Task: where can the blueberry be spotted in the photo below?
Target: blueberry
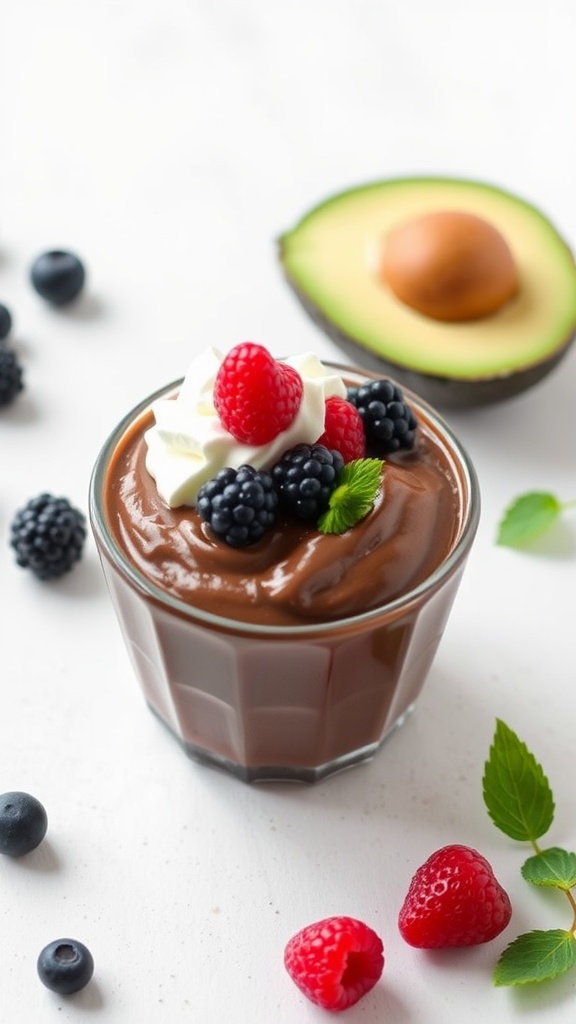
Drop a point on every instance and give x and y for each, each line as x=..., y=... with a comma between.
x=5, y=322
x=58, y=276
x=23, y=823
x=65, y=966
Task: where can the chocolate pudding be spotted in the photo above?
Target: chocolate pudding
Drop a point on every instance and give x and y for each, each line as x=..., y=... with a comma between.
x=295, y=657
x=296, y=574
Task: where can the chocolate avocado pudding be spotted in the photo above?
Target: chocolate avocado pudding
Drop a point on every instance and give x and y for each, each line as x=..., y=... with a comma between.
x=296, y=655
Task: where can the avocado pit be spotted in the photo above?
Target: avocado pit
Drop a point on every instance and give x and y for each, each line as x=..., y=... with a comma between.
x=449, y=265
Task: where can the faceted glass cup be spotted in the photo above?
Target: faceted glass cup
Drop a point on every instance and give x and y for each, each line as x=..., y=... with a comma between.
x=292, y=703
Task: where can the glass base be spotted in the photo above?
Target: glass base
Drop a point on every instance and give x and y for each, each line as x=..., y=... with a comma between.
x=281, y=773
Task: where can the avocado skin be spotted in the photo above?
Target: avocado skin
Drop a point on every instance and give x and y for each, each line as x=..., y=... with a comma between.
x=446, y=392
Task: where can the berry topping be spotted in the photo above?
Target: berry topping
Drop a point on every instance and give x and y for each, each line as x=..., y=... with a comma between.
x=239, y=505
x=255, y=396
x=343, y=429
x=5, y=322
x=48, y=536
x=335, y=962
x=58, y=276
x=65, y=966
x=454, y=900
x=10, y=375
x=23, y=823
x=389, y=423
x=305, y=477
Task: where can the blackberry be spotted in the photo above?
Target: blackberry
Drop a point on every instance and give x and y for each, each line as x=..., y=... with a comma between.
x=388, y=421
x=10, y=375
x=305, y=477
x=23, y=823
x=5, y=321
x=58, y=276
x=48, y=535
x=65, y=966
x=239, y=505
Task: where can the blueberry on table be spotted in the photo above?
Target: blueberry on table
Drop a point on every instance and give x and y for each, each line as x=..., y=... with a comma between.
x=23, y=823
x=11, y=381
x=65, y=966
x=58, y=276
x=48, y=536
x=5, y=321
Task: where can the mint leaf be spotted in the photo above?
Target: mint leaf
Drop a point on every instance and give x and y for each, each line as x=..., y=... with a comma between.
x=536, y=956
x=527, y=517
x=353, y=497
x=554, y=867
x=516, y=791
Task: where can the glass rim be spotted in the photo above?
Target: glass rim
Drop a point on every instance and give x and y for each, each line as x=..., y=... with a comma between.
x=468, y=488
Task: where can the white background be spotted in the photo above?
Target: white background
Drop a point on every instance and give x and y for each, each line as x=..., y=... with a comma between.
x=170, y=142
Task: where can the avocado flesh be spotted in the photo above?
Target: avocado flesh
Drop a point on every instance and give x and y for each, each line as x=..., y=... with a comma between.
x=329, y=257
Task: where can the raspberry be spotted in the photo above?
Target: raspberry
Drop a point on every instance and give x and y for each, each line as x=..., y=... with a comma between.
x=48, y=535
x=10, y=375
x=238, y=504
x=343, y=429
x=335, y=962
x=454, y=900
x=256, y=397
x=305, y=478
x=389, y=422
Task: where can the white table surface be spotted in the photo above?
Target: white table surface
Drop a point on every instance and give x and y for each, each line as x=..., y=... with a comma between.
x=170, y=142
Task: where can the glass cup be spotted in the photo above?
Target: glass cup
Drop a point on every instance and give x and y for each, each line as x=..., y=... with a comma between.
x=294, y=703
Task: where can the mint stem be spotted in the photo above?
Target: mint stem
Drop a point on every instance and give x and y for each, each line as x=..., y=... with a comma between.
x=572, y=903
x=520, y=803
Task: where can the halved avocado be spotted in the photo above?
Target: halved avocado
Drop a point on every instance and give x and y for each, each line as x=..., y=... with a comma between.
x=329, y=260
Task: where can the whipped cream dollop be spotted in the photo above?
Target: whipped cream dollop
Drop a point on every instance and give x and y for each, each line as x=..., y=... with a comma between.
x=187, y=444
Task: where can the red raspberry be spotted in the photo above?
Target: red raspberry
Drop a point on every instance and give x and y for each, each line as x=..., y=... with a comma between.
x=335, y=962
x=256, y=397
x=343, y=429
x=454, y=900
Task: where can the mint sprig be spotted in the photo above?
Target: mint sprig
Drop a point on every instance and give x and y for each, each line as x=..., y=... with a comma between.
x=519, y=801
x=353, y=497
x=528, y=517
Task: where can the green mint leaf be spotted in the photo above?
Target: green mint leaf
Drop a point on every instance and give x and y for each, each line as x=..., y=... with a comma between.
x=554, y=867
x=516, y=791
x=353, y=497
x=536, y=956
x=527, y=517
